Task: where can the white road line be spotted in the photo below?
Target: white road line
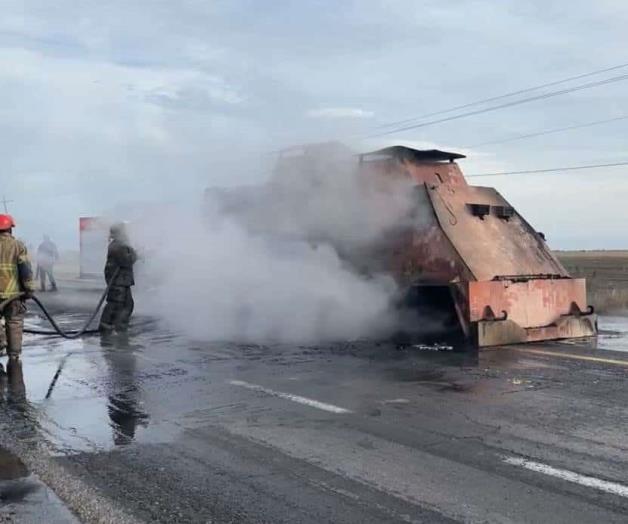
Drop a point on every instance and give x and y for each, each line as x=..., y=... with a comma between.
x=586, y=358
x=564, y=474
x=288, y=396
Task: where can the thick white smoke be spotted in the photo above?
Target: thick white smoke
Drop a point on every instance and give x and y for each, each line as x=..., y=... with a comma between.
x=263, y=263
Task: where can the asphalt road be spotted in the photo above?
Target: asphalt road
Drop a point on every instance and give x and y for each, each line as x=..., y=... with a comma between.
x=155, y=428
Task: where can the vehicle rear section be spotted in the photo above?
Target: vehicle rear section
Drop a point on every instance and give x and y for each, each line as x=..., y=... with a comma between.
x=504, y=283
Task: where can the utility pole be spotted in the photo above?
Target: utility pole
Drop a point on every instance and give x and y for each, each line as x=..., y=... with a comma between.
x=5, y=202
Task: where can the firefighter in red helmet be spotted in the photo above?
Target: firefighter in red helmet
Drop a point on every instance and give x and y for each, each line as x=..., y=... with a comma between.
x=16, y=277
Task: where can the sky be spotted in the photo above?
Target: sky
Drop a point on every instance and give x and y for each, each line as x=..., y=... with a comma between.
x=109, y=105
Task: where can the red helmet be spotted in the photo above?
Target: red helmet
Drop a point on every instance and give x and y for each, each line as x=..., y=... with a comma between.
x=6, y=222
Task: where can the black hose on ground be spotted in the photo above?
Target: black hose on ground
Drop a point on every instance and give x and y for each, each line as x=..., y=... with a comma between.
x=72, y=334
x=57, y=329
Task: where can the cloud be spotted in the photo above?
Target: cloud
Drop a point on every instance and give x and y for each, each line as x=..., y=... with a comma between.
x=339, y=112
x=126, y=101
x=190, y=88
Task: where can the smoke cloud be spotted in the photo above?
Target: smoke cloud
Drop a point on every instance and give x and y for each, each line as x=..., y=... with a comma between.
x=289, y=260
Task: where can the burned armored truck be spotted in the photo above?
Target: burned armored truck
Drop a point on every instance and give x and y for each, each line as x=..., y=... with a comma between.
x=503, y=281
x=460, y=251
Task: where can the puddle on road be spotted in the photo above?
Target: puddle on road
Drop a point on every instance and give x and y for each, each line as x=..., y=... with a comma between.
x=15, y=481
x=115, y=393
x=24, y=497
x=11, y=467
x=419, y=375
x=83, y=395
x=613, y=333
x=440, y=379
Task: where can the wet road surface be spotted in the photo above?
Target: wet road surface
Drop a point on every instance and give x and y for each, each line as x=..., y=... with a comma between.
x=24, y=498
x=153, y=428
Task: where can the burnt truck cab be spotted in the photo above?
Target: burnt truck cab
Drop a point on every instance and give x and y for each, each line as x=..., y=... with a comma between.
x=469, y=243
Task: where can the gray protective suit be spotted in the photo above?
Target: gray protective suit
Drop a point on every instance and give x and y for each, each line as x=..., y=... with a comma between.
x=120, y=257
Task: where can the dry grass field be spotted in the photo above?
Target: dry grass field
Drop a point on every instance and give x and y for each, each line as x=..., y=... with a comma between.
x=606, y=273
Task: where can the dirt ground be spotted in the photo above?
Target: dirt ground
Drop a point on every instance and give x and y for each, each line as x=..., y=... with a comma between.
x=606, y=273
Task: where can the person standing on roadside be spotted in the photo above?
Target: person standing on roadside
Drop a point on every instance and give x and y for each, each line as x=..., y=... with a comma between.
x=47, y=255
x=16, y=280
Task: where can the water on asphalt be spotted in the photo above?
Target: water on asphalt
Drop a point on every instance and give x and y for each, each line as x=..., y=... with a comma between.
x=152, y=402
x=93, y=394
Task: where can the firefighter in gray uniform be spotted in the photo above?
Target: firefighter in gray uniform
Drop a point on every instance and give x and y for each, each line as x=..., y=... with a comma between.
x=119, y=275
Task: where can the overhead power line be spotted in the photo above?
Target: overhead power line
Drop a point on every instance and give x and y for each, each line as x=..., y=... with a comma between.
x=4, y=202
x=506, y=95
x=543, y=96
x=548, y=170
x=550, y=131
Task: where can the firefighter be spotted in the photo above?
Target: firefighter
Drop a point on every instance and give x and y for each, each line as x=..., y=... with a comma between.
x=119, y=275
x=16, y=277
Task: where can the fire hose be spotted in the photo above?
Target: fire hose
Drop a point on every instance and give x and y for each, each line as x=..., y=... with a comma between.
x=57, y=331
